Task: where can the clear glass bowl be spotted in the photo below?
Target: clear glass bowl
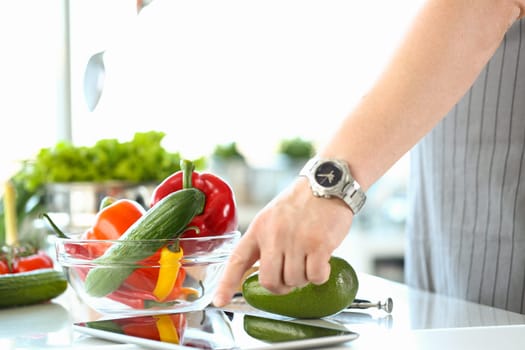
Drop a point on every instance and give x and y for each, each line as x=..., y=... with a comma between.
x=122, y=276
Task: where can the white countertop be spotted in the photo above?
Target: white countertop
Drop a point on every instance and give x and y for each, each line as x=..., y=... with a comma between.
x=419, y=320
x=422, y=320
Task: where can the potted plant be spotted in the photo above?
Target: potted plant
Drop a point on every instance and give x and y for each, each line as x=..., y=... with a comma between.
x=296, y=149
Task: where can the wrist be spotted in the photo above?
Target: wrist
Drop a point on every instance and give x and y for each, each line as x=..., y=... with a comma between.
x=331, y=178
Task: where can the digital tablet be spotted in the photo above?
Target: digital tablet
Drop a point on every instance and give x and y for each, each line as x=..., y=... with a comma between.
x=215, y=329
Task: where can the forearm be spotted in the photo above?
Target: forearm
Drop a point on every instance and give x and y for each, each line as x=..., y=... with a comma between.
x=443, y=53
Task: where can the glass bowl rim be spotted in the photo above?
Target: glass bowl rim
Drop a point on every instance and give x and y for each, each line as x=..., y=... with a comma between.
x=74, y=238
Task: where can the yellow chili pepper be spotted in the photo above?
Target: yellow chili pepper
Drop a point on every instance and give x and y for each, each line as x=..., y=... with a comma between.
x=167, y=330
x=168, y=272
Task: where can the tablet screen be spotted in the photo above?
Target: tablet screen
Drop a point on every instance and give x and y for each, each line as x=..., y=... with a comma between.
x=215, y=329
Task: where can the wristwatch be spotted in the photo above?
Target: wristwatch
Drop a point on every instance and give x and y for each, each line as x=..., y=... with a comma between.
x=331, y=178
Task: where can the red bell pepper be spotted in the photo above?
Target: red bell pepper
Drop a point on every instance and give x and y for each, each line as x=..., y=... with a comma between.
x=143, y=297
x=220, y=212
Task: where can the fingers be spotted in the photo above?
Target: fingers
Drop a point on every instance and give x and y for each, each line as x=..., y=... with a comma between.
x=283, y=272
x=291, y=264
x=295, y=274
x=242, y=258
x=318, y=268
x=271, y=272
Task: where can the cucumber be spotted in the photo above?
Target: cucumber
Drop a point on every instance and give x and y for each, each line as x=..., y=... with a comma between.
x=26, y=288
x=165, y=220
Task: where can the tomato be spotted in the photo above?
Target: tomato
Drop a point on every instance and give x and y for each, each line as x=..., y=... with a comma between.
x=36, y=261
x=3, y=267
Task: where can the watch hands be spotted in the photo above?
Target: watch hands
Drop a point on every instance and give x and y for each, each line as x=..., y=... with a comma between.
x=327, y=176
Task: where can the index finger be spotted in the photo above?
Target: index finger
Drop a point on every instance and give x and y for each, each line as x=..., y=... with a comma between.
x=242, y=258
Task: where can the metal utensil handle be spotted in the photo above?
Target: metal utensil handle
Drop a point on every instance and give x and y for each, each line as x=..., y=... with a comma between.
x=387, y=305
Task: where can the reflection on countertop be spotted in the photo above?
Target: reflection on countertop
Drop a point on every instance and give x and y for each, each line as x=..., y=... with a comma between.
x=49, y=325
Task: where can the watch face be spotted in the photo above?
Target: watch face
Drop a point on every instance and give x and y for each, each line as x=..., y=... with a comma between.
x=328, y=174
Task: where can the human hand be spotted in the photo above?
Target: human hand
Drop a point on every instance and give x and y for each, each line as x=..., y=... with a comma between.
x=293, y=238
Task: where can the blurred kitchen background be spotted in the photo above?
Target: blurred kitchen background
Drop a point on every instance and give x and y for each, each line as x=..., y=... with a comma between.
x=246, y=87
